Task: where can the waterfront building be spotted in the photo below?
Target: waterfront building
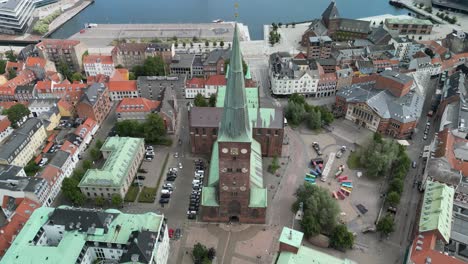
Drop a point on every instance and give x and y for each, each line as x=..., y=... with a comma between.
x=130, y=55
x=235, y=190
x=319, y=47
x=213, y=61
x=291, y=251
x=460, y=5
x=19, y=148
x=388, y=103
x=98, y=64
x=457, y=41
x=182, y=64
x=123, y=157
x=65, y=51
x=83, y=236
x=16, y=16
x=413, y=26
x=94, y=103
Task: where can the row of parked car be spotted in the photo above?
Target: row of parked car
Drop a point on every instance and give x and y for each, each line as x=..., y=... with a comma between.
x=168, y=187
x=149, y=153
x=197, y=184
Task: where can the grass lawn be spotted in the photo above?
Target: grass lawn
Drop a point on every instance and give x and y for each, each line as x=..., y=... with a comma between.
x=131, y=194
x=147, y=195
x=353, y=161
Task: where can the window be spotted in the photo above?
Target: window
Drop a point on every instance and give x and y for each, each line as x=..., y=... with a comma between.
x=229, y=169
x=238, y=170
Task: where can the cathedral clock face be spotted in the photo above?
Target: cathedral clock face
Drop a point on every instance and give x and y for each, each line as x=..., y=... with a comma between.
x=242, y=188
x=223, y=170
x=225, y=150
x=225, y=188
x=234, y=151
x=243, y=151
x=244, y=170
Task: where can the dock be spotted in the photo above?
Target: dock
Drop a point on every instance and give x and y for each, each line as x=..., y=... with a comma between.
x=408, y=4
x=103, y=34
x=67, y=15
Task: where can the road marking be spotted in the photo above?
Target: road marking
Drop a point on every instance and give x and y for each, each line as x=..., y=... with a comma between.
x=225, y=247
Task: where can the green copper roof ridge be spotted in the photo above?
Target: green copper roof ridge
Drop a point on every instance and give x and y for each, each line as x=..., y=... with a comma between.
x=235, y=124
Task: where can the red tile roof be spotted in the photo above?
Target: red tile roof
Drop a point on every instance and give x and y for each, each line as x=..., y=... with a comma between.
x=122, y=86
x=119, y=75
x=57, y=43
x=217, y=80
x=445, y=149
x=51, y=174
x=137, y=105
x=195, y=83
x=300, y=55
x=426, y=249
x=435, y=47
x=65, y=104
x=16, y=223
x=84, y=129
x=23, y=78
x=53, y=76
x=7, y=105
x=69, y=147
x=16, y=65
x=47, y=147
x=94, y=58
x=35, y=62
x=99, y=78
x=4, y=123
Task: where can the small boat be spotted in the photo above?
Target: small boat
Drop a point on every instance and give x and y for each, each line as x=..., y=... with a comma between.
x=217, y=21
x=91, y=25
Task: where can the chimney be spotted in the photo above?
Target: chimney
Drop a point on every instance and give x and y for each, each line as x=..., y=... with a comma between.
x=290, y=242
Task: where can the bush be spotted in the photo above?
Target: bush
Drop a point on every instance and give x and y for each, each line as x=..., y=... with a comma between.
x=393, y=198
x=31, y=168
x=396, y=186
x=132, y=194
x=42, y=26
x=274, y=166
x=147, y=195
x=341, y=238
x=386, y=225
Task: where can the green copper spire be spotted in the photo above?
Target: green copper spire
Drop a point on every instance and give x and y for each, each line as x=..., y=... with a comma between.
x=248, y=75
x=235, y=122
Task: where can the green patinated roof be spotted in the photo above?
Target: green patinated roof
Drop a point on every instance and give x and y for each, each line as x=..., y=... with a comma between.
x=209, y=196
x=410, y=21
x=70, y=246
x=251, y=96
x=123, y=150
x=235, y=125
x=436, y=211
x=291, y=237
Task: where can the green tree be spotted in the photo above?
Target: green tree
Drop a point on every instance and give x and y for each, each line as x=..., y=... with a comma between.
x=11, y=73
x=221, y=43
x=341, y=238
x=120, y=66
x=199, y=253
x=184, y=44
x=78, y=77
x=11, y=56
x=154, y=128
x=99, y=143
x=200, y=101
x=326, y=115
x=78, y=174
x=377, y=137
x=313, y=120
x=207, y=44
x=176, y=44
x=212, y=100
x=274, y=26
x=386, y=225
x=280, y=24
x=16, y=114
x=154, y=66
x=396, y=185
x=320, y=209
x=294, y=113
x=63, y=68
x=2, y=66
x=393, y=198
x=274, y=166
x=99, y=201
x=211, y=253
x=87, y=164
x=129, y=128
x=71, y=191
x=95, y=153
x=31, y=168
x=297, y=98
x=215, y=43
x=116, y=200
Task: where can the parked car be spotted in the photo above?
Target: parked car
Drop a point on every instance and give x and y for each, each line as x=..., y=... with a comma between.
x=171, y=178
x=191, y=216
x=166, y=191
x=193, y=208
x=149, y=147
x=164, y=200
x=178, y=233
x=413, y=164
x=165, y=195
x=141, y=177
x=142, y=171
x=176, y=155
x=425, y=136
x=149, y=158
x=168, y=185
x=316, y=146
x=171, y=233
x=341, y=152
x=180, y=165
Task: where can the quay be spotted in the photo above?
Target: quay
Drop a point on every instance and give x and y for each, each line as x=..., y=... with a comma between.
x=67, y=15
x=408, y=4
x=104, y=34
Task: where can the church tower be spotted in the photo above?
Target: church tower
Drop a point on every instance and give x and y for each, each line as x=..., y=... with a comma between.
x=235, y=187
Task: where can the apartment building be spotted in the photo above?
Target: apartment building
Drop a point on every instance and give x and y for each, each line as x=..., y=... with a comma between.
x=319, y=47
x=19, y=148
x=119, y=90
x=123, y=156
x=67, y=51
x=289, y=75
x=213, y=61
x=15, y=16
x=94, y=103
x=413, y=26
x=130, y=55
x=85, y=236
x=98, y=64
x=136, y=108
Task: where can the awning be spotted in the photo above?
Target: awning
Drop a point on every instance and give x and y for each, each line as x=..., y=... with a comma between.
x=47, y=147
x=403, y=142
x=38, y=159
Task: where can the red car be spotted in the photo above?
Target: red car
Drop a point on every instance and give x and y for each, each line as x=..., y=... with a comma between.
x=171, y=233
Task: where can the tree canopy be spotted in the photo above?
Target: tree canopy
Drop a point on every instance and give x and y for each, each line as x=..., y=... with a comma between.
x=200, y=101
x=78, y=77
x=152, y=129
x=341, y=238
x=386, y=225
x=10, y=55
x=16, y=113
x=202, y=255
x=63, y=68
x=212, y=100
x=320, y=209
x=153, y=66
x=11, y=73
x=116, y=200
x=298, y=110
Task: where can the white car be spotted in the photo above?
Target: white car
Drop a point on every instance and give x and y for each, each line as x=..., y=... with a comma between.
x=149, y=148
x=173, y=169
x=165, y=191
x=425, y=136
x=180, y=165
x=168, y=185
x=176, y=155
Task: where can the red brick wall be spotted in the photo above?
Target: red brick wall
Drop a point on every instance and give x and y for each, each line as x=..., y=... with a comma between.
x=396, y=88
x=84, y=110
x=288, y=248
